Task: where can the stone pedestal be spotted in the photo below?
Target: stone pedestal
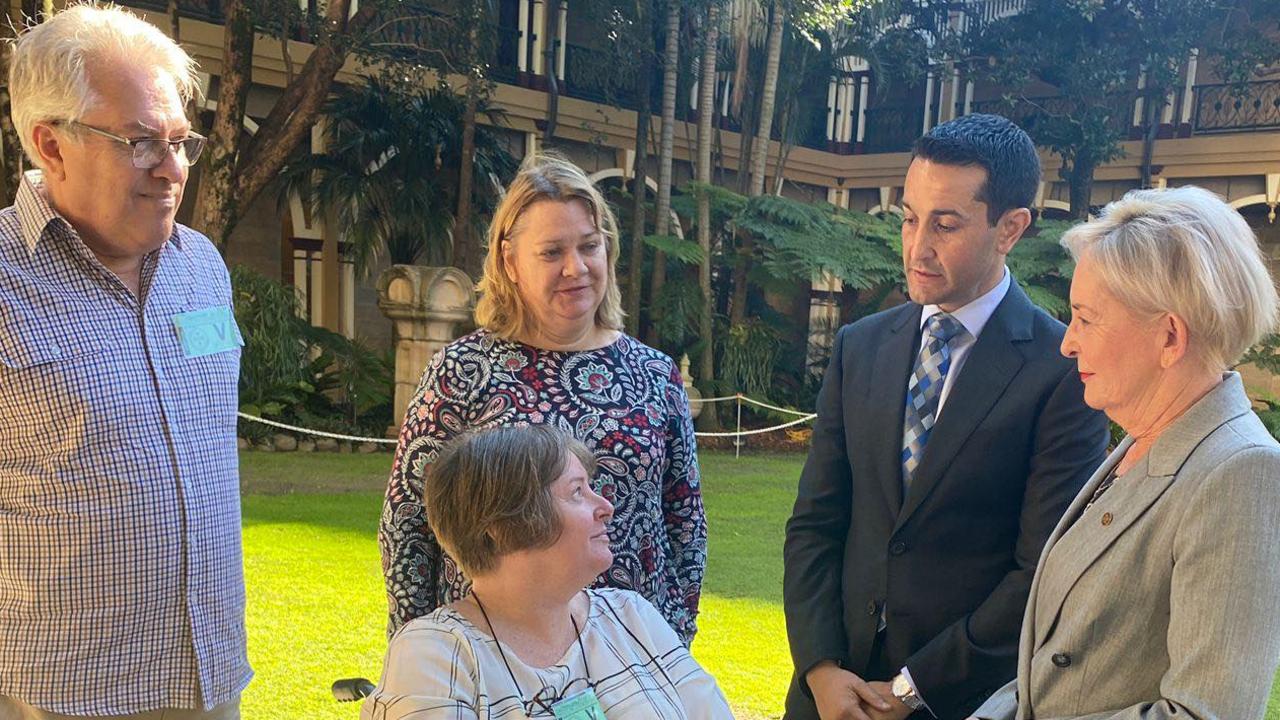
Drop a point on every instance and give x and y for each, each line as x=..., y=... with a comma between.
x=426, y=305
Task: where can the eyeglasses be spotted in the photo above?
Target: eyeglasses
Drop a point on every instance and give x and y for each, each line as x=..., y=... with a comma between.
x=150, y=152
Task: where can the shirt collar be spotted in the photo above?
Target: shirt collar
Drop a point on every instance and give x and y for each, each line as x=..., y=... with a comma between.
x=974, y=315
x=35, y=214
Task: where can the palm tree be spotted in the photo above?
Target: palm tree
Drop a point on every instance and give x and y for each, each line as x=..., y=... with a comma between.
x=706, y=112
x=390, y=172
x=666, y=148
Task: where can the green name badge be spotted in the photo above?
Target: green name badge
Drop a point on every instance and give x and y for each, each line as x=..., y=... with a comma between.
x=208, y=331
x=581, y=706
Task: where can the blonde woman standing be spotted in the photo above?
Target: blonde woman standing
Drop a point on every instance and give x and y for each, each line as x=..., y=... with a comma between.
x=550, y=351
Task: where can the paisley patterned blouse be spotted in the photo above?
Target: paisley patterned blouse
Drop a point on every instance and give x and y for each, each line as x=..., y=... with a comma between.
x=625, y=401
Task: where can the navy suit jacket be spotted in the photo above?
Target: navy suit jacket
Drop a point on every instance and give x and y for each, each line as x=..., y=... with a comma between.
x=950, y=564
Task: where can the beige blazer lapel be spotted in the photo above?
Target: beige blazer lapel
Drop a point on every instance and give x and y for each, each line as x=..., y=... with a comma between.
x=1028, y=642
x=1081, y=549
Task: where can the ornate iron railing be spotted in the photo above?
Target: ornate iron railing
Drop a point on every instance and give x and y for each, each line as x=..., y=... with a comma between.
x=1237, y=108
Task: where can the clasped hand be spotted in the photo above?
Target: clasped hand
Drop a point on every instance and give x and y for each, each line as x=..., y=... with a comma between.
x=842, y=695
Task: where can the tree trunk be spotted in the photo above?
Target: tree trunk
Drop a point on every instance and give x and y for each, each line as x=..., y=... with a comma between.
x=1149, y=139
x=465, y=254
x=552, y=33
x=662, y=219
x=768, y=95
x=239, y=177
x=1079, y=177
x=639, y=183
x=216, y=202
x=759, y=156
x=708, y=419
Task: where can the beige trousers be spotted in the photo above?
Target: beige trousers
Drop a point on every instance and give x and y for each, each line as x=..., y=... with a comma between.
x=14, y=709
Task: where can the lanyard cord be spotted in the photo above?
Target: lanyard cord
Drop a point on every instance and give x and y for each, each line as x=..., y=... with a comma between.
x=577, y=633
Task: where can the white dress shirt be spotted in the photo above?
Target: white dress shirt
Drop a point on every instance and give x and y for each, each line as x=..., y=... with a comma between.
x=973, y=317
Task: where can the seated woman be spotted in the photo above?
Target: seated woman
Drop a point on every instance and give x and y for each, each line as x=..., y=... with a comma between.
x=1155, y=597
x=514, y=506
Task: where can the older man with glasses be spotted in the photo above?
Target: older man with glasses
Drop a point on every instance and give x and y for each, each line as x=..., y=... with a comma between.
x=121, y=573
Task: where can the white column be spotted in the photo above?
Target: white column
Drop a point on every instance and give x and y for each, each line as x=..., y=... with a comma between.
x=1188, y=90
x=539, y=23
x=846, y=110
x=863, y=86
x=522, y=53
x=832, y=93
x=1166, y=113
x=968, y=97
x=955, y=94
x=928, y=102
x=1138, y=104
x=315, y=268
x=349, y=299
x=560, y=51
x=724, y=98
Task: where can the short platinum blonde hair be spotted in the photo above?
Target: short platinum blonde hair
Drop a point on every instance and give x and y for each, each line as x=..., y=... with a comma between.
x=1184, y=251
x=542, y=176
x=50, y=66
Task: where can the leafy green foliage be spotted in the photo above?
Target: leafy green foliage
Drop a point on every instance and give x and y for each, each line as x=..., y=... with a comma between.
x=1265, y=355
x=676, y=248
x=298, y=374
x=750, y=351
x=1043, y=268
x=391, y=170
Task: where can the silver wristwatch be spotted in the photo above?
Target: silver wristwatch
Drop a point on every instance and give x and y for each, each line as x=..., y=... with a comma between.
x=905, y=693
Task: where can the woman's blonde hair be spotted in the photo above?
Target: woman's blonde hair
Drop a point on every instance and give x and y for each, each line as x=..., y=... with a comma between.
x=542, y=176
x=1184, y=251
x=51, y=63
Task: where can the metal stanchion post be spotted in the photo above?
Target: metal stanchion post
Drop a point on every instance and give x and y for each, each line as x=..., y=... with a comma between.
x=737, y=439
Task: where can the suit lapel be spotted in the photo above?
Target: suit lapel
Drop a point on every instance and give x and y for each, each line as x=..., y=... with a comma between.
x=992, y=363
x=888, y=390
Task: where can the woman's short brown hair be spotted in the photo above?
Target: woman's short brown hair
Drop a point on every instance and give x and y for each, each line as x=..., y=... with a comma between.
x=489, y=493
x=542, y=176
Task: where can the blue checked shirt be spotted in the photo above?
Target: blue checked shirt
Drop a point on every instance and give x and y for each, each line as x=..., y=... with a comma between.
x=121, y=574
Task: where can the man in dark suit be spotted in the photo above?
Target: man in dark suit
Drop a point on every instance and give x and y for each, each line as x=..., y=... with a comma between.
x=912, y=545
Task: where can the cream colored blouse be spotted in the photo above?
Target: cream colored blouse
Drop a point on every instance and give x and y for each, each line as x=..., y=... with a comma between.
x=441, y=667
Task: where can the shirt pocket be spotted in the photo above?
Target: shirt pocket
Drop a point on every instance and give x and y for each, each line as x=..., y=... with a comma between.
x=28, y=343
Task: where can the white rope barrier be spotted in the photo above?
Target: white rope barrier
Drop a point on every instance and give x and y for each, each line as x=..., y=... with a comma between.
x=804, y=418
x=714, y=400
x=742, y=433
x=789, y=411
x=319, y=433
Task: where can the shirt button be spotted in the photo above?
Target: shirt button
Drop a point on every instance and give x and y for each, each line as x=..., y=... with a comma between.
x=872, y=608
x=1062, y=660
x=1107, y=518
x=897, y=548
x=55, y=351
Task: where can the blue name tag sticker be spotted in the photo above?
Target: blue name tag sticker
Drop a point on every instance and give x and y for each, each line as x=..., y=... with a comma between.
x=581, y=706
x=208, y=331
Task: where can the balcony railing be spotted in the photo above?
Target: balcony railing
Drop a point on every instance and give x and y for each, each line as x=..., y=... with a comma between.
x=1237, y=108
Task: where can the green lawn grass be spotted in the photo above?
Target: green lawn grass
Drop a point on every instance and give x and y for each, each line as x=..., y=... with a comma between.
x=316, y=609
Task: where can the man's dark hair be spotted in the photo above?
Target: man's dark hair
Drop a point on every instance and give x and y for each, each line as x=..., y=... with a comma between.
x=997, y=146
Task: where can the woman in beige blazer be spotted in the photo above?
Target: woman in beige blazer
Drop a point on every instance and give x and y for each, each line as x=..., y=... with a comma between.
x=1158, y=595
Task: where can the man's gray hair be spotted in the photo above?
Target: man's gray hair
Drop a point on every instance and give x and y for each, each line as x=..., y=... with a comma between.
x=49, y=69
x=1184, y=251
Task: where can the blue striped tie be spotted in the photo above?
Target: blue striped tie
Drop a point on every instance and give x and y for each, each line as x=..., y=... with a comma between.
x=925, y=388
